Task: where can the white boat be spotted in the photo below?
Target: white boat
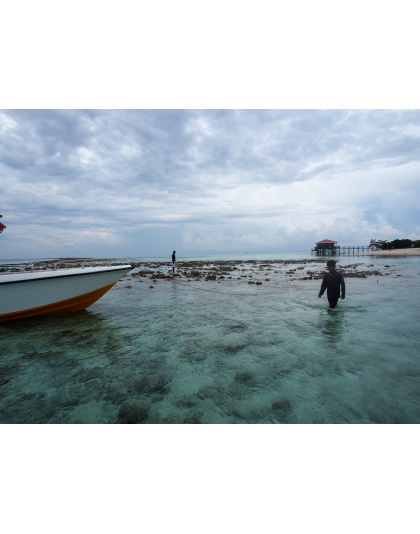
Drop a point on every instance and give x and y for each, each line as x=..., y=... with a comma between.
x=26, y=294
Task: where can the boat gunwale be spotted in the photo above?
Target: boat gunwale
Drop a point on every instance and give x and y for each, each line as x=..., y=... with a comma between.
x=54, y=276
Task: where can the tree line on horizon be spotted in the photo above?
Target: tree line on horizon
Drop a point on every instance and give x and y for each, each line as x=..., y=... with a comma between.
x=379, y=244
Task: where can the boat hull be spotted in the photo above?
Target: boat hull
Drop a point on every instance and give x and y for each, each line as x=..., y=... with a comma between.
x=49, y=292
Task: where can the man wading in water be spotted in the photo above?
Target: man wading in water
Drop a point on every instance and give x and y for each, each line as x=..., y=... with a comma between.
x=173, y=261
x=332, y=282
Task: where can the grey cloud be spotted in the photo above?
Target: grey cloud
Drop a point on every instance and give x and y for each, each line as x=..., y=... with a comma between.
x=145, y=168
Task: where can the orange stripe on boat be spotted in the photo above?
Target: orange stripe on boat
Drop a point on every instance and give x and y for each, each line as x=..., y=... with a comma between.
x=69, y=305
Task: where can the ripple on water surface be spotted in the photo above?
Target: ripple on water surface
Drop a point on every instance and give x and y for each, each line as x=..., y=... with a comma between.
x=220, y=352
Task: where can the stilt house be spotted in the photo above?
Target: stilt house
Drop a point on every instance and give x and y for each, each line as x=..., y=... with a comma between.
x=326, y=247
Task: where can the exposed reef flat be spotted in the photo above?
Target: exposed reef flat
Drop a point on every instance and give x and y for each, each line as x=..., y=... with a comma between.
x=251, y=271
x=242, y=271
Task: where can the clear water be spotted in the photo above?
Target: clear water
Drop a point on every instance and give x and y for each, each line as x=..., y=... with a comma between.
x=223, y=351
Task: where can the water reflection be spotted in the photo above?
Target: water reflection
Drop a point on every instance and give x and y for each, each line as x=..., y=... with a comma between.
x=331, y=325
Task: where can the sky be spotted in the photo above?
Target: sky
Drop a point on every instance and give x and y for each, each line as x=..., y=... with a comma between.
x=116, y=183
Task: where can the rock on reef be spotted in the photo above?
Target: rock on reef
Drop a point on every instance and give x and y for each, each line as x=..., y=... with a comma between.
x=133, y=412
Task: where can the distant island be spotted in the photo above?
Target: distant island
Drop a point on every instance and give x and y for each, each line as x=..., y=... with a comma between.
x=396, y=244
x=397, y=247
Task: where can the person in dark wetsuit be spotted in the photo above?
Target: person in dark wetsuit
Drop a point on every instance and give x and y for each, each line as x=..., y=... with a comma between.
x=332, y=282
x=173, y=261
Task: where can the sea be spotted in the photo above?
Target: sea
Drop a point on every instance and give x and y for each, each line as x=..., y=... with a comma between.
x=224, y=351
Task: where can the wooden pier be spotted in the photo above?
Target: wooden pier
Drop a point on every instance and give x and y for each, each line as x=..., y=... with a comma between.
x=356, y=250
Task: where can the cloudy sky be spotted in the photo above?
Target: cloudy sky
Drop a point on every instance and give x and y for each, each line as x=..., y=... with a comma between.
x=145, y=182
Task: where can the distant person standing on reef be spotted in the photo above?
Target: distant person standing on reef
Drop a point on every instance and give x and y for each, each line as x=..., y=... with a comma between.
x=173, y=261
x=332, y=282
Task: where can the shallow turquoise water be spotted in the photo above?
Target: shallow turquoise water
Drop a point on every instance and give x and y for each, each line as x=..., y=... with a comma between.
x=222, y=352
